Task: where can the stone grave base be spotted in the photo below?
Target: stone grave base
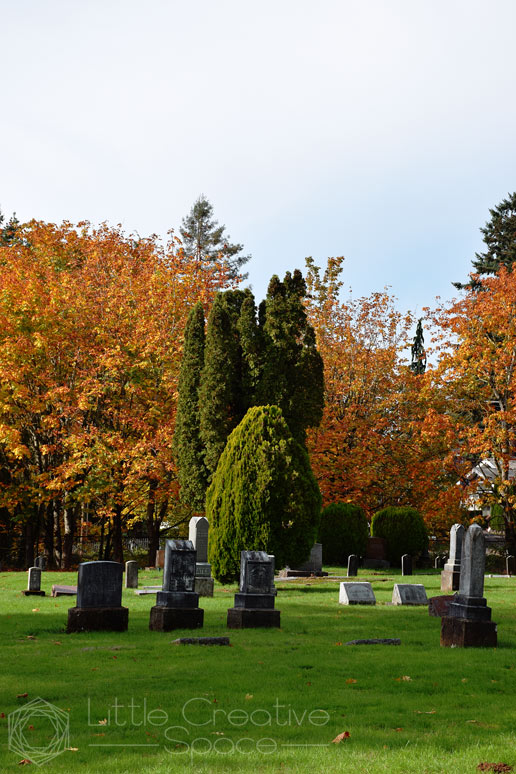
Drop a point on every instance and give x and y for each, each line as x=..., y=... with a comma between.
x=164, y=619
x=247, y=618
x=450, y=580
x=204, y=586
x=302, y=574
x=95, y=619
x=64, y=591
x=465, y=633
x=28, y=593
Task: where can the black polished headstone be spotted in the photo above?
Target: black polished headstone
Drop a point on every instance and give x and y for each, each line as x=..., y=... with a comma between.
x=99, y=584
x=256, y=573
x=352, y=565
x=406, y=564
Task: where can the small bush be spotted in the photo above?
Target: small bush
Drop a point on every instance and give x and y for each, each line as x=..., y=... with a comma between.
x=403, y=529
x=343, y=531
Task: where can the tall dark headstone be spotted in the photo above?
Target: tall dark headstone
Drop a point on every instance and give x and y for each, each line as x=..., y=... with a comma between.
x=177, y=604
x=510, y=565
x=254, y=602
x=99, y=599
x=41, y=562
x=450, y=576
x=352, y=565
x=33, y=583
x=406, y=564
x=468, y=623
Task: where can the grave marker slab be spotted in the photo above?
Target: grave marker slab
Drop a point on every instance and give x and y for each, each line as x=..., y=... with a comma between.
x=468, y=623
x=406, y=564
x=254, y=603
x=450, y=576
x=356, y=593
x=177, y=604
x=99, y=599
x=352, y=565
x=131, y=574
x=198, y=531
x=409, y=594
x=33, y=583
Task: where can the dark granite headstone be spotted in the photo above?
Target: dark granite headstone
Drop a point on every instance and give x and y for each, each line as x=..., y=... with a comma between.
x=352, y=565
x=177, y=605
x=131, y=574
x=406, y=564
x=99, y=599
x=254, y=603
x=468, y=623
x=33, y=583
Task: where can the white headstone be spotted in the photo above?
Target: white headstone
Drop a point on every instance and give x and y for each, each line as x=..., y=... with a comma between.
x=198, y=529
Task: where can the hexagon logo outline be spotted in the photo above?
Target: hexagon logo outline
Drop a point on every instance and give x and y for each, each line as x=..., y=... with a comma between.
x=17, y=723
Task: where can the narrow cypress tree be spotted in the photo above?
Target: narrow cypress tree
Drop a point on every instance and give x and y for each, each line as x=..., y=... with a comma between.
x=418, y=364
x=221, y=398
x=188, y=446
x=263, y=495
x=292, y=375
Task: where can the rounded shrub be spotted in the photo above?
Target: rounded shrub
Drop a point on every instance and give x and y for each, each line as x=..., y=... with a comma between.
x=404, y=530
x=343, y=531
x=263, y=496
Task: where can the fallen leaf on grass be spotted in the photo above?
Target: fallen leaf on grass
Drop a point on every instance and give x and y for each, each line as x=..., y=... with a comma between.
x=21, y=695
x=422, y=712
x=35, y=609
x=464, y=680
x=57, y=642
x=24, y=762
x=340, y=737
x=103, y=722
x=72, y=749
x=403, y=679
x=2, y=714
x=350, y=680
x=30, y=637
x=499, y=768
x=398, y=729
x=338, y=643
x=249, y=696
x=218, y=733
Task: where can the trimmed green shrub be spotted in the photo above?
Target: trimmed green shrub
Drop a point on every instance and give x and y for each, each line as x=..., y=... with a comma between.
x=263, y=496
x=403, y=529
x=343, y=531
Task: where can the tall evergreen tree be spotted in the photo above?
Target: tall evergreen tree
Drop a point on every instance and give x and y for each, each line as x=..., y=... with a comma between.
x=8, y=232
x=418, y=363
x=222, y=402
x=499, y=235
x=188, y=446
x=204, y=239
x=292, y=376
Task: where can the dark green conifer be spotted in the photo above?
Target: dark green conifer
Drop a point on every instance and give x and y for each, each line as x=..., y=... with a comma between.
x=188, y=447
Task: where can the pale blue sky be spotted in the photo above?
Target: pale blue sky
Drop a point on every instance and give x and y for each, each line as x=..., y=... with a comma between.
x=382, y=131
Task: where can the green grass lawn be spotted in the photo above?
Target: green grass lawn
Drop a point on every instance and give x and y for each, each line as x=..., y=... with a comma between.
x=275, y=700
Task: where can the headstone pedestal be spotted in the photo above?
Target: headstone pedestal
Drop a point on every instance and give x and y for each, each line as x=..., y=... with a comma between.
x=254, y=603
x=99, y=599
x=177, y=604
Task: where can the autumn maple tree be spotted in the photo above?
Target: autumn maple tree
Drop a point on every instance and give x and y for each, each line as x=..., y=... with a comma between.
x=91, y=333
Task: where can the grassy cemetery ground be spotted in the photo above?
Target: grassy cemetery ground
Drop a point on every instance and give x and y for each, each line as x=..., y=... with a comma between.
x=275, y=699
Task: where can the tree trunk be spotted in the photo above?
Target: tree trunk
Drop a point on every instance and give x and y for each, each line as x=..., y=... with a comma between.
x=48, y=537
x=118, y=548
x=69, y=535
x=29, y=543
x=58, y=543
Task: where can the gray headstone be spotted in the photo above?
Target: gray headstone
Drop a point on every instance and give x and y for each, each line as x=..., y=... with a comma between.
x=41, y=562
x=409, y=594
x=256, y=573
x=131, y=574
x=510, y=565
x=456, y=540
x=34, y=579
x=198, y=534
x=179, y=568
x=473, y=563
x=352, y=565
x=99, y=584
x=406, y=564
x=314, y=561
x=356, y=593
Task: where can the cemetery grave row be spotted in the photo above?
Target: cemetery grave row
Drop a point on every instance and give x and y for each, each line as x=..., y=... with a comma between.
x=466, y=618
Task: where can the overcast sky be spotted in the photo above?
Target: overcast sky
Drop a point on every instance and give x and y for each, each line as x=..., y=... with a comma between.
x=378, y=130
